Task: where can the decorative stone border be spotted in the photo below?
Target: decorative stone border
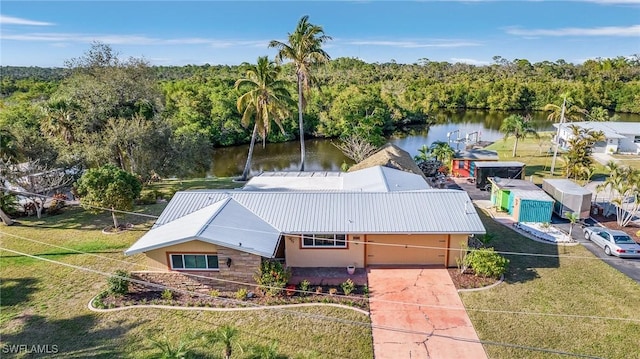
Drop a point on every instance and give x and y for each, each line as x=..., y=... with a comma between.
x=242, y=309
x=483, y=288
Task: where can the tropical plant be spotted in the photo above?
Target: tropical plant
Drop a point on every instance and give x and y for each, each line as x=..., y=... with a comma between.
x=442, y=151
x=170, y=350
x=264, y=98
x=623, y=184
x=304, y=49
x=119, y=282
x=108, y=187
x=518, y=127
x=573, y=218
x=578, y=158
x=347, y=286
x=272, y=276
x=225, y=335
x=571, y=113
x=423, y=154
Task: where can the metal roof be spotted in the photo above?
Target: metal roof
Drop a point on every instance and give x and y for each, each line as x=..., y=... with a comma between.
x=522, y=189
x=533, y=195
x=224, y=223
x=610, y=129
x=253, y=221
x=477, y=154
x=499, y=164
x=372, y=179
x=567, y=186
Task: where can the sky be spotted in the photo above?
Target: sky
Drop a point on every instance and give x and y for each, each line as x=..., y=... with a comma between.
x=46, y=33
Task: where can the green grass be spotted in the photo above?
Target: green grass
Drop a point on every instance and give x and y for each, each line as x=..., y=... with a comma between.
x=45, y=303
x=537, y=153
x=628, y=160
x=555, y=285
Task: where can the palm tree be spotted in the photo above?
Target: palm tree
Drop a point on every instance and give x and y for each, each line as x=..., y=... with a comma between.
x=518, y=127
x=264, y=98
x=304, y=49
x=225, y=335
x=573, y=218
x=269, y=351
x=423, y=154
x=59, y=119
x=442, y=152
x=571, y=113
x=170, y=350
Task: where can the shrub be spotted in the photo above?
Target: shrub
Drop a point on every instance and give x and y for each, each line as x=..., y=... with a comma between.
x=304, y=287
x=486, y=262
x=119, y=283
x=272, y=277
x=318, y=290
x=167, y=294
x=241, y=294
x=214, y=293
x=333, y=291
x=365, y=290
x=347, y=286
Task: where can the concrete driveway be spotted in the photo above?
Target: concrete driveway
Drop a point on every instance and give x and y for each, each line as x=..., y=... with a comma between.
x=434, y=323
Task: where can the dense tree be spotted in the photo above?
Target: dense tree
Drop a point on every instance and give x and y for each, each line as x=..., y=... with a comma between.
x=304, y=49
x=578, y=158
x=108, y=187
x=441, y=151
x=264, y=98
x=519, y=127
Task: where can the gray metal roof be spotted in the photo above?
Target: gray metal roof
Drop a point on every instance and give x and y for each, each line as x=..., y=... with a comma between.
x=499, y=164
x=256, y=219
x=522, y=189
x=568, y=186
x=477, y=154
x=609, y=128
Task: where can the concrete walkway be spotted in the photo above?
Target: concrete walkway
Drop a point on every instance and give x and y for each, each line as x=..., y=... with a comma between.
x=438, y=328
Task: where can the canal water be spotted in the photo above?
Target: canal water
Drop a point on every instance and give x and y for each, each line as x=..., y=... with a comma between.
x=322, y=155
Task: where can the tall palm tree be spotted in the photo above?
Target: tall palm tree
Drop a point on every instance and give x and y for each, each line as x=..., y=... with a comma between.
x=572, y=112
x=264, y=98
x=59, y=119
x=304, y=49
x=518, y=127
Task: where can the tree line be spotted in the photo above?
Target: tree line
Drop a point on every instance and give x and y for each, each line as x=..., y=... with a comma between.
x=164, y=120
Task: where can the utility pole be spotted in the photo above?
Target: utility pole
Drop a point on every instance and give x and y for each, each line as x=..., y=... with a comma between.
x=557, y=140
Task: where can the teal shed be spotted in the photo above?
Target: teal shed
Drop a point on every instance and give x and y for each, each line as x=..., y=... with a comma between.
x=523, y=200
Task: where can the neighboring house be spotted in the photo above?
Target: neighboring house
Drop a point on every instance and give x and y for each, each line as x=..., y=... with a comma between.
x=390, y=156
x=623, y=137
x=523, y=200
x=463, y=162
x=225, y=234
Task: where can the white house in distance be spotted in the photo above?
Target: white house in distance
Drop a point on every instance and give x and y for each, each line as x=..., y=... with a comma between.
x=373, y=216
x=621, y=137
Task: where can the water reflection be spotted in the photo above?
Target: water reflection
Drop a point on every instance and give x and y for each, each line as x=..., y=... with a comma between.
x=323, y=156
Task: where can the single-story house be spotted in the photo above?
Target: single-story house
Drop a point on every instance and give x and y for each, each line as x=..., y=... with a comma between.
x=619, y=136
x=523, y=200
x=225, y=234
x=463, y=162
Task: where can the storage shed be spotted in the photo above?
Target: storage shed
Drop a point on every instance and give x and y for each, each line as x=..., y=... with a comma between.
x=523, y=200
x=569, y=196
x=501, y=169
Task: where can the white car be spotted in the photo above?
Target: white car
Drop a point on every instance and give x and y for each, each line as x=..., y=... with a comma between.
x=614, y=242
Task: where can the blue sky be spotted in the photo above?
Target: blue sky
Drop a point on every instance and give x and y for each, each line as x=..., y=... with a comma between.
x=46, y=33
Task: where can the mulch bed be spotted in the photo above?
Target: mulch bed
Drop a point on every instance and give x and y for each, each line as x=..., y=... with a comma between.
x=611, y=223
x=356, y=299
x=468, y=280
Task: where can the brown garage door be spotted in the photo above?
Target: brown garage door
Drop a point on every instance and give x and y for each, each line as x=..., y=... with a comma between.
x=377, y=254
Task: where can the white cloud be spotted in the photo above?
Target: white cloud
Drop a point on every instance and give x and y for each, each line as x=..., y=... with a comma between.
x=413, y=44
x=131, y=40
x=633, y=30
x=10, y=20
x=469, y=61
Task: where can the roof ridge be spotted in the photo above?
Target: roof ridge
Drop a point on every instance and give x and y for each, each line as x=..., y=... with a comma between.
x=214, y=215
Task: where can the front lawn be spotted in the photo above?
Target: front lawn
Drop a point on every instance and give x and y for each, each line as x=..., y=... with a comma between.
x=583, y=286
x=45, y=303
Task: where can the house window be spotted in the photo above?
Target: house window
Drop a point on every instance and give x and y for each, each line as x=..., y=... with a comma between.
x=636, y=139
x=461, y=165
x=324, y=241
x=194, y=261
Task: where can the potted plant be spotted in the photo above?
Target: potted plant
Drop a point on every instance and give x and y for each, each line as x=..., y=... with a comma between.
x=351, y=269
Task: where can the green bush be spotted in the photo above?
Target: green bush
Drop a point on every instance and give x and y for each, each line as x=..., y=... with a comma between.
x=272, y=277
x=119, y=283
x=486, y=262
x=304, y=287
x=241, y=294
x=347, y=286
x=167, y=294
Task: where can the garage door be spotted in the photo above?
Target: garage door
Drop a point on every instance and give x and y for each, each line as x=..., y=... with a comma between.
x=397, y=253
